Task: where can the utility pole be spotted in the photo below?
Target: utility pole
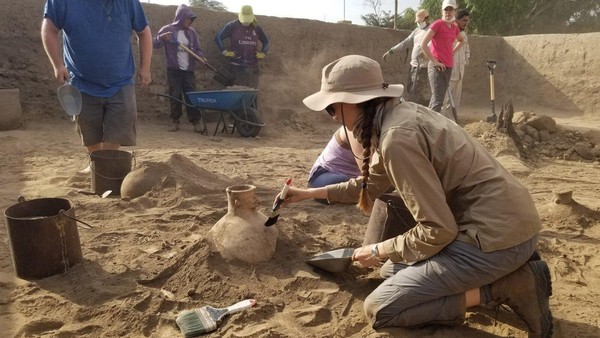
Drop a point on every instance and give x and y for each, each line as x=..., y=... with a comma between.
x=344, y=10
x=395, y=12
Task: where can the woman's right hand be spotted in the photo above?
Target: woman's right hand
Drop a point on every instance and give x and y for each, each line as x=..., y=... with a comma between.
x=296, y=195
x=440, y=66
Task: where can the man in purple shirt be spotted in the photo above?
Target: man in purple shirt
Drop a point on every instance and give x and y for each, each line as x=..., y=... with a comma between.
x=180, y=65
x=243, y=51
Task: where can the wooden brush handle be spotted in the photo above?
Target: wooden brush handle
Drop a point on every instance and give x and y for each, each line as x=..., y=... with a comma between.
x=243, y=305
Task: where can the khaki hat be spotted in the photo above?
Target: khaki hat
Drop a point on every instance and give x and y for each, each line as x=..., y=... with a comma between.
x=351, y=79
x=421, y=13
x=246, y=15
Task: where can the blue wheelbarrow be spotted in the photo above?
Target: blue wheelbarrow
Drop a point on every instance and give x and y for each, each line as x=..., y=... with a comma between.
x=239, y=104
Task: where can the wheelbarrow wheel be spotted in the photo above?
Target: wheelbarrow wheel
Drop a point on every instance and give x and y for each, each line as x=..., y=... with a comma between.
x=246, y=129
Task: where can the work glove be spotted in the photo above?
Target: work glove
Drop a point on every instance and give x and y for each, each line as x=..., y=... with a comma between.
x=260, y=55
x=228, y=53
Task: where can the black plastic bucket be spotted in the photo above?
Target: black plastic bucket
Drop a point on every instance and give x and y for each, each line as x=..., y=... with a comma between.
x=43, y=237
x=109, y=168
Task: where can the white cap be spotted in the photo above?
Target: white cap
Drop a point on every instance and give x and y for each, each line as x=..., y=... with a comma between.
x=449, y=3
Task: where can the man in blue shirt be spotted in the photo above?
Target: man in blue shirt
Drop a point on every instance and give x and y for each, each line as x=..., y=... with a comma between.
x=98, y=60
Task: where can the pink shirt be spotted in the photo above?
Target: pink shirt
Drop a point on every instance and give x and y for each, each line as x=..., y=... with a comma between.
x=442, y=41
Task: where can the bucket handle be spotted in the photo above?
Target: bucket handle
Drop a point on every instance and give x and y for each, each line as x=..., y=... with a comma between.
x=87, y=226
x=133, y=158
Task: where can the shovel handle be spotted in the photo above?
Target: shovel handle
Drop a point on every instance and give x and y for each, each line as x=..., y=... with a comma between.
x=203, y=61
x=492, y=91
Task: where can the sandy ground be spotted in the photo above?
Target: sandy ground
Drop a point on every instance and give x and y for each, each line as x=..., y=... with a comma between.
x=144, y=256
x=147, y=259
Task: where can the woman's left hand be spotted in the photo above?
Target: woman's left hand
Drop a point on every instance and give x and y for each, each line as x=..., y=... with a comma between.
x=363, y=256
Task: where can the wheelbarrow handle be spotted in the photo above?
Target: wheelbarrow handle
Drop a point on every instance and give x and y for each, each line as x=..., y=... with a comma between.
x=178, y=100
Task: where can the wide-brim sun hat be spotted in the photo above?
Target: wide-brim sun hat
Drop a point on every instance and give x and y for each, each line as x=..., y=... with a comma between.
x=351, y=79
x=246, y=15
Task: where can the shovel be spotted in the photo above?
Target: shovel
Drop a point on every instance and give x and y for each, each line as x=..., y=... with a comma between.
x=451, y=99
x=70, y=100
x=491, y=64
x=333, y=261
x=222, y=76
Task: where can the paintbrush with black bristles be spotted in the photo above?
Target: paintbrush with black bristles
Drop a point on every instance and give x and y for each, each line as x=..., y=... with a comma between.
x=274, y=215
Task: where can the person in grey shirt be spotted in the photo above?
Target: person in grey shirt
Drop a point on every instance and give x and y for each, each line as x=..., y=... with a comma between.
x=476, y=226
x=417, y=86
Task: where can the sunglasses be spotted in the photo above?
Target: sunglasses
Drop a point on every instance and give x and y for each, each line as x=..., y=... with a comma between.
x=330, y=110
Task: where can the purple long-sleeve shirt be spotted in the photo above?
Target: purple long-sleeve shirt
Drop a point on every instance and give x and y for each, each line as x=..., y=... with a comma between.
x=171, y=48
x=243, y=41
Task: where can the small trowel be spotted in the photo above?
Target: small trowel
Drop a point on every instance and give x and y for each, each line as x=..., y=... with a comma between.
x=70, y=100
x=274, y=215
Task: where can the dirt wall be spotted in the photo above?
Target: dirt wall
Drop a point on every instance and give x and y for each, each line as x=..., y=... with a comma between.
x=555, y=72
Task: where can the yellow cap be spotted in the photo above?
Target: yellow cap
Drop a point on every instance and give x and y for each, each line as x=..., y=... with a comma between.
x=246, y=16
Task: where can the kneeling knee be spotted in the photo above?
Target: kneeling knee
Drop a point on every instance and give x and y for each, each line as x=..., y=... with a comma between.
x=370, y=307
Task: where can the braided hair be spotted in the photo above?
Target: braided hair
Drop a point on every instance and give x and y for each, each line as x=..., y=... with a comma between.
x=363, y=130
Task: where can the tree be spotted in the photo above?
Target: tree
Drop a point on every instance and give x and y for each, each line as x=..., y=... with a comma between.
x=208, y=4
x=516, y=17
x=380, y=18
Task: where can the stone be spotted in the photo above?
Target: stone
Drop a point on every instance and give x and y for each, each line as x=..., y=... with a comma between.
x=544, y=135
x=584, y=150
x=143, y=179
x=543, y=122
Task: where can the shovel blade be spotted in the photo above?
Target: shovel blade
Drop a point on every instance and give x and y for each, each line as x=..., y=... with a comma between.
x=333, y=261
x=223, y=76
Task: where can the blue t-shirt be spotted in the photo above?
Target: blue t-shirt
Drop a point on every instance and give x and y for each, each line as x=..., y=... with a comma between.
x=97, y=41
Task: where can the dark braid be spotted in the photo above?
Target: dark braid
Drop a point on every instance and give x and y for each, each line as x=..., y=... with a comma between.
x=364, y=126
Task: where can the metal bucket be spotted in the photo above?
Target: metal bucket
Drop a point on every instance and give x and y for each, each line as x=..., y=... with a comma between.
x=109, y=168
x=43, y=237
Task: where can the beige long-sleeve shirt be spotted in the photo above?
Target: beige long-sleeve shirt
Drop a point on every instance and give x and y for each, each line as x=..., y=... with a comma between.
x=453, y=187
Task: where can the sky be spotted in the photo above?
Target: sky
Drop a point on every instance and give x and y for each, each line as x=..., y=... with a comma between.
x=324, y=10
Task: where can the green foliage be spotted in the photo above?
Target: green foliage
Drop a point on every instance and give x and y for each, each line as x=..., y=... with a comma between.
x=208, y=4
x=379, y=18
x=508, y=17
x=517, y=17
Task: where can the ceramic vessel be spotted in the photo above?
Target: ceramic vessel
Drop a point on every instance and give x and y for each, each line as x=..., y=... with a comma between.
x=241, y=234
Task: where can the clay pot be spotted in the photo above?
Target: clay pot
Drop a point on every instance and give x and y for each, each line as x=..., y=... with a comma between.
x=241, y=234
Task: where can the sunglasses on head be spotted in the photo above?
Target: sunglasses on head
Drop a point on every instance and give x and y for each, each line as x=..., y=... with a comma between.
x=330, y=110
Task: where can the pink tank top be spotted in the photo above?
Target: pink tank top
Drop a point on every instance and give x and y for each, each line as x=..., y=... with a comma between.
x=336, y=159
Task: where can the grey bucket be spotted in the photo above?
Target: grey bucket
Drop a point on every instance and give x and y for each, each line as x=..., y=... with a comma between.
x=43, y=237
x=109, y=168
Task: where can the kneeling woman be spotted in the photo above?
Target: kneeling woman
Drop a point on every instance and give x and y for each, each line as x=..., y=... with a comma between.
x=476, y=225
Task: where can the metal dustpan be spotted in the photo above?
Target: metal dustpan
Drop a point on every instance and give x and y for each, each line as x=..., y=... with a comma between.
x=70, y=99
x=333, y=261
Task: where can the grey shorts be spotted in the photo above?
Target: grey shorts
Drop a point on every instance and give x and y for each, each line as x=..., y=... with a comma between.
x=109, y=119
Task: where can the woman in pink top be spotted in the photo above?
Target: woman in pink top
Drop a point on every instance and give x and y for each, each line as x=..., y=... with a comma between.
x=440, y=53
